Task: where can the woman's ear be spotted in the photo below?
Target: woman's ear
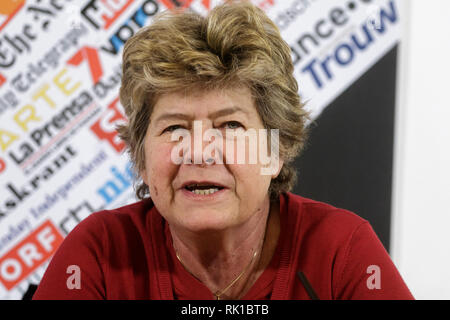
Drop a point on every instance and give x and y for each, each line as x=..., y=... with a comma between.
x=144, y=176
x=273, y=168
x=276, y=171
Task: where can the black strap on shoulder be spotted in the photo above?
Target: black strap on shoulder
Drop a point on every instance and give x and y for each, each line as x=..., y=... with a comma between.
x=309, y=289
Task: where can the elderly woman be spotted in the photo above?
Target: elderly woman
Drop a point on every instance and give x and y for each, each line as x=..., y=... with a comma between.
x=211, y=227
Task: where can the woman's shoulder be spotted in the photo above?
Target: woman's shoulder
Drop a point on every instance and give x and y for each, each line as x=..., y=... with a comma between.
x=313, y=215
x=135, y=213
x=118, y=223
x=107, y=246
x=336, y=249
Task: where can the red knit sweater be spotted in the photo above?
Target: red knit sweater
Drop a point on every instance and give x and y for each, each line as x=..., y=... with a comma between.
x=127, y=254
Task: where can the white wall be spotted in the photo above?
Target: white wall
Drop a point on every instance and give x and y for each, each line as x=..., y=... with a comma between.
x=421, y=208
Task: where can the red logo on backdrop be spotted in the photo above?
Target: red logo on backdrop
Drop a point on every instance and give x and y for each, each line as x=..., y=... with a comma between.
x=265, y=4
x=102, y=13
x=105, y=127
x=29, y=254
x=2, y=165
x=2, y=79
x=172, y=4
x=8, y=10
x=91, y=56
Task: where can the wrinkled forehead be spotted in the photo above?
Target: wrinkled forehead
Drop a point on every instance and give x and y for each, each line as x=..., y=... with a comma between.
x=204, y=103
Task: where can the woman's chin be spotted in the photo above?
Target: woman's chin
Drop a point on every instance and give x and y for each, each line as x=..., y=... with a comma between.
x=205, y=222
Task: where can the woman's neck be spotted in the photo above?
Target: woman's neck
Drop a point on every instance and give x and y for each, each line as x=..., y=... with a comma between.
x=220, y=257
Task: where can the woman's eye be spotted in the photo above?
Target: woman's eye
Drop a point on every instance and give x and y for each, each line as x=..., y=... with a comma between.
x=172, y=128
x=232, y=125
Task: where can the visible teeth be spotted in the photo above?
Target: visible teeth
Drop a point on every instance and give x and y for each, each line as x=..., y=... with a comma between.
x=205, y=192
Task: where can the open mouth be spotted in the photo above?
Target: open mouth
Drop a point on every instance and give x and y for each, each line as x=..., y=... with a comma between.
x=203, y=189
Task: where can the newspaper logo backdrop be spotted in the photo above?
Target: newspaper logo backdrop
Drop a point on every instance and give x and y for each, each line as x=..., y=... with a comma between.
x=60, y=157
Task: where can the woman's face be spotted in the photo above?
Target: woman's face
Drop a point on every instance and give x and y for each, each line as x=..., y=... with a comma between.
x=236, y=191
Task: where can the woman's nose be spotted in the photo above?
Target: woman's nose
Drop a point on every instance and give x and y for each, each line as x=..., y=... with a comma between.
x=206, y=144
